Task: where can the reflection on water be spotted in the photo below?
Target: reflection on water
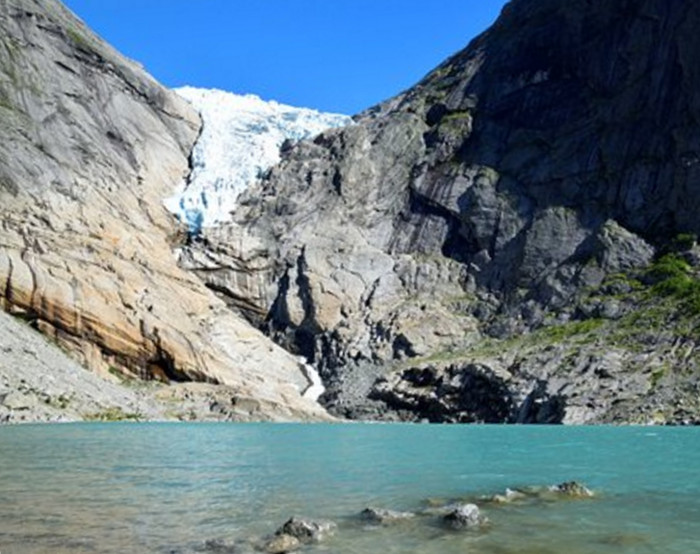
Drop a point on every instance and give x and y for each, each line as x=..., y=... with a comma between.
x=160, y=488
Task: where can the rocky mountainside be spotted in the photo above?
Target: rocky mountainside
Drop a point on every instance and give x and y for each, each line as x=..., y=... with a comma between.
x=512, y=239
x=90, y=145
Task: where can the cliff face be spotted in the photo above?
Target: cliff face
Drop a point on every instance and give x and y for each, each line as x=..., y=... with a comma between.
x=90, y=145
x=496, y=198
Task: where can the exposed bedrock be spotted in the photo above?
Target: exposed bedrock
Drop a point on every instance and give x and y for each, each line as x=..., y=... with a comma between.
x=558, y=149
x=90, y=145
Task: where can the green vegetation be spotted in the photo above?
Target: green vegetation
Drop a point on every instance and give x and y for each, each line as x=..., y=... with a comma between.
x=673, y=278
x=657, y=375
x=572, y=329
x=113, y=414
x=622, y=281
x=456, y=116
x=684, y=241
x=653, y=324
x=78, y=39
x=441, y=72
x=115, y=371
x=5, y=102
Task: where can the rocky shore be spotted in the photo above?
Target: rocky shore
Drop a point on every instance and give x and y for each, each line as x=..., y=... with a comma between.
x=464, y=515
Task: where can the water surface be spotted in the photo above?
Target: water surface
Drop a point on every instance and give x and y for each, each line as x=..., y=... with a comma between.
x=161, y=488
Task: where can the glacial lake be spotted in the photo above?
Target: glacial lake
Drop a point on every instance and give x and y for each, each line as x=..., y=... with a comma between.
x=168, y=488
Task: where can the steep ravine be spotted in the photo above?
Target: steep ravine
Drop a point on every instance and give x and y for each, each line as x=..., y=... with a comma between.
x=457, y=254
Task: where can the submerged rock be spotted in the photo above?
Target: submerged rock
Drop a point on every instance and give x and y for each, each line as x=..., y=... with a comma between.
x=465, y=516
x=383, y=516
x=282, y=543
x=566, y=489
x=306, y=530
x=220, y=546
x=509, y=496
x=572, y=489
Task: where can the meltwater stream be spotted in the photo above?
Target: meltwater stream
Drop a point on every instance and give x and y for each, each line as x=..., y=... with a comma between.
x=168, y=488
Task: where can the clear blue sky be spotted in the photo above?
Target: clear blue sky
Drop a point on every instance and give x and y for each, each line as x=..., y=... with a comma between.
x=332, y=55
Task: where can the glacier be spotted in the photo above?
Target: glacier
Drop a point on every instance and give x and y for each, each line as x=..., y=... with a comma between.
x=240, y=140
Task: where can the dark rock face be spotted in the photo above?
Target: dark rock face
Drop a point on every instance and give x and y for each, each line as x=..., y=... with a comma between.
x=469, y=394
x=559, y=148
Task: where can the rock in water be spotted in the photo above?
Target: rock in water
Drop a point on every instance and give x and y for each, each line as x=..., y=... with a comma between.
x=466, y=516
x=220, y=546
x=509, y=496
x=90, y=145
x=384, y=516
x=282, y=543
x=306, y=530
x=573, y=489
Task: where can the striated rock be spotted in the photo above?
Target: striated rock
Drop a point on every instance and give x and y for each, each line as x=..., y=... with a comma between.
x=465, y=516
x=90, y=145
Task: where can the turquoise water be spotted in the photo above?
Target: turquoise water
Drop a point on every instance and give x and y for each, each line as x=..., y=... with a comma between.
x=162, y=488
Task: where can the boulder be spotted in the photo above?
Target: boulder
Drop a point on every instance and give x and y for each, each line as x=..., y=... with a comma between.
x=306, y=530
x=465, y=516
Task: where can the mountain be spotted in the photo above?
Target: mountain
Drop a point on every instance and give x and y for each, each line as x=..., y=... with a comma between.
x=90, y=145
x=240, y=140
x=512, y=239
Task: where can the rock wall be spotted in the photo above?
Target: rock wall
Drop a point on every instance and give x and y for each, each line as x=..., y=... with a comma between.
x=556, y=150
x=90, y=145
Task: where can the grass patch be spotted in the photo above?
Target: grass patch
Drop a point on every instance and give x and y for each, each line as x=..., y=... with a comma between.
x=565, y=331
x=78, y=39
x=673, y=278
x=684, y=241
x=5, y=102
x=657, y=375
x=456, y=116
x=113, y=414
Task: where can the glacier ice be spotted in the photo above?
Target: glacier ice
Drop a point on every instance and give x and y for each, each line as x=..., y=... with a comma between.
x=240, y=140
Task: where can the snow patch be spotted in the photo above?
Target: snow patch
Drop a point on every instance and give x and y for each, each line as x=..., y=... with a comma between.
x=241, y=139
